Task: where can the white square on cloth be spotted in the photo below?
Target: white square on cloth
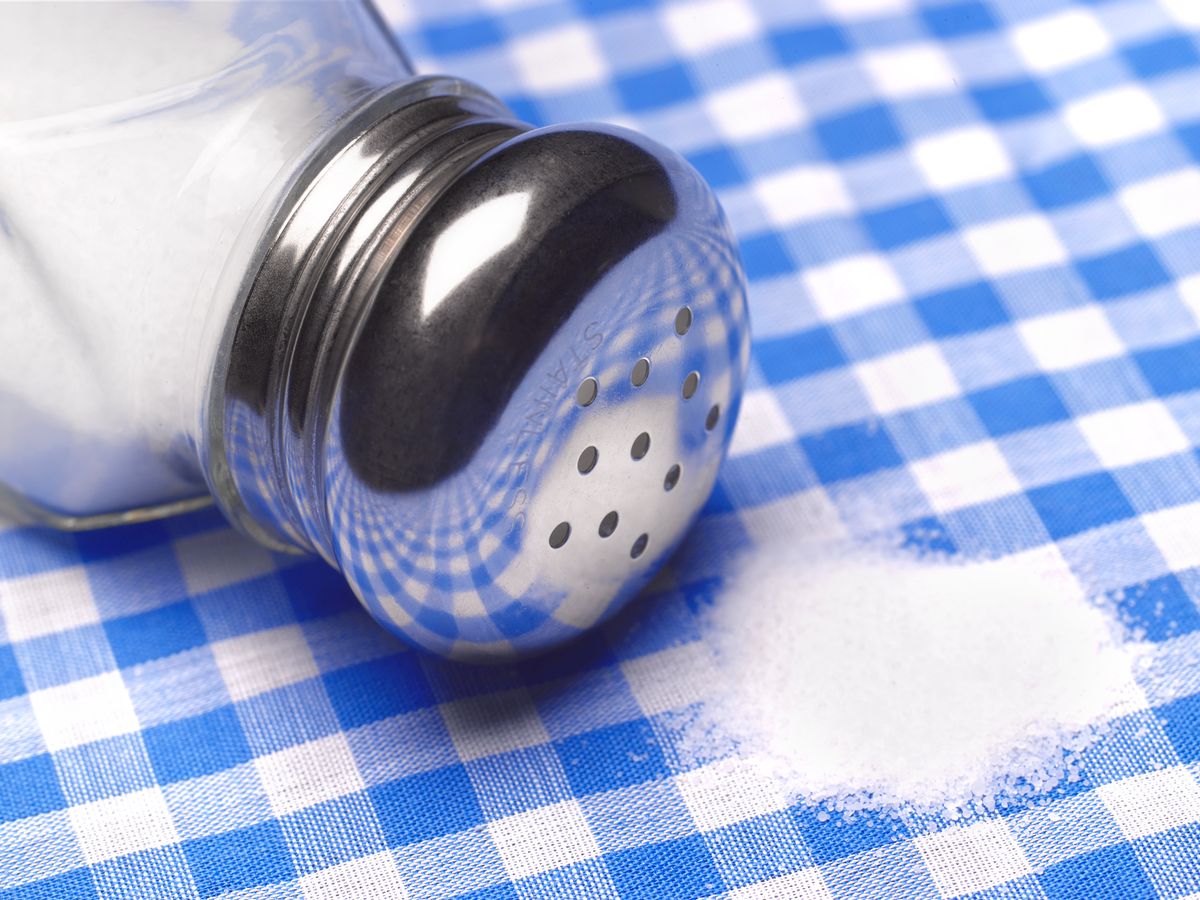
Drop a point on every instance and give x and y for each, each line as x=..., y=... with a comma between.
x=1114, y=116
x=704, y=24
x=493, y=723
x=307, y=774
x=1017, y=244
x=727, y=792
x=964, y=156
x=1153, y=802
x=761, y=423
x=906, y=379
x=765, y=105
x=966, y=476
x=1133, y=433
x=559, y=59
x=670, y=679
x=910, y=70
x=1185, y=12
x=47, y=602
x=368, y=876
x=117, y=826
x=965, y=860
x=1176, y=533
x=858, y=8
x=219, y=559
x=1071, y=338
x=83, y=711
x=807, y=884
x=255, y=663
x=852, y=285
x=802, y=194
x=1164, y=204
x=545, y=838
x=1061, y=40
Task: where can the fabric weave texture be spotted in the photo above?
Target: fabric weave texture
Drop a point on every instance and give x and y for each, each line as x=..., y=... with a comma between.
x=972, y=232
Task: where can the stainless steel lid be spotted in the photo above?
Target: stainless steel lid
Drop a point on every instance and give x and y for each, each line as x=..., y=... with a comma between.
x=488, y=371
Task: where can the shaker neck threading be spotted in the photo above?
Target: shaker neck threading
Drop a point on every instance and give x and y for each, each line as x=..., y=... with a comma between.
x=341, y=226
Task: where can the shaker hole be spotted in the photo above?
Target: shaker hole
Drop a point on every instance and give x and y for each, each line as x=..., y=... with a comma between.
x=639, y=546
x=608, y=524
x=641, y=446
x=683, y=321
x=586, y=394
x=690, y=384
x=588, y=459
x=559, y=535
x=714, y=416
x=672, y=478
x=641, y=371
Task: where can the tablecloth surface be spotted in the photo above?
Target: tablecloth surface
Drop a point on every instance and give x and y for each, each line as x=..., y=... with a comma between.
x=972, y=232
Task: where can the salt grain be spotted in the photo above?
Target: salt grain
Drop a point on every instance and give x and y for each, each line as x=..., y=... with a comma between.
x=864, y=678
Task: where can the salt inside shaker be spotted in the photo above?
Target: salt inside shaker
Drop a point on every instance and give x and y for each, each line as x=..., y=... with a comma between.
x=488, y=371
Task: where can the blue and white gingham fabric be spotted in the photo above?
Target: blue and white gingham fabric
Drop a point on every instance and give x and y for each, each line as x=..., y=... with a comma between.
x=972, y=231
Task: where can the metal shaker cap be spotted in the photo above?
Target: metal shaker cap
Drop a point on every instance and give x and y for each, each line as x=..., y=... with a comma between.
x=522, y=395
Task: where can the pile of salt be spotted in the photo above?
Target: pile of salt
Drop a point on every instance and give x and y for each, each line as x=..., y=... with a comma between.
x=865, y=679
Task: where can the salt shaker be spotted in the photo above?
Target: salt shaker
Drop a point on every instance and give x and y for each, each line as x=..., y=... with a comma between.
x=488, y=371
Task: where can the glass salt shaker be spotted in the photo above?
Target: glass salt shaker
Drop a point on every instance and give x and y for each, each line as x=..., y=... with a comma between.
x=487, y=371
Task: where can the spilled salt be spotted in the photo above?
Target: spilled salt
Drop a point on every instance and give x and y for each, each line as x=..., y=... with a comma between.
x=866, y=678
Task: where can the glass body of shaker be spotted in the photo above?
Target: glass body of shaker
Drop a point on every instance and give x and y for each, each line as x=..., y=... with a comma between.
x=142, y=147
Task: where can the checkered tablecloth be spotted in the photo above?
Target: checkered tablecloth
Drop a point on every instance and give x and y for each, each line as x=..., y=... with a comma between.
x=972, y=231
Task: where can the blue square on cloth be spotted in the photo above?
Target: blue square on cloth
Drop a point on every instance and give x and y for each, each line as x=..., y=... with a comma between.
x=377, y=689
x=957, y=19
x=612, y=757
x=764, y=256
x=12, y=683
x=157, y=633
x=426, y=805
x=159, y=873
x=1172, y=860
x=518, y=781
x=589, y=878
x=74, y=885
x=29, y=787
x=1122, y=272
x=718, y=165
x=678, y=868
x=463, y=35
x=1171, y=370
x=332, y=832
x=797, y=45
x=198, y=745
x=1067, y=181
x=1108, y=872
x=1018, y=405
x=750, y=851
x=317, y=590
x=870, y=129
x=1166, y=54
x=656, y=87
x=104, y=768
x=1015, y=99
x=64, y=656
x=961, y=310
x=834, y=838
x=1080, y=504
x=906, y=223
x=795, y=356
x=850, y=451
x=600, y=7
x=1161, y=608
x=238, y=860
x=1182, y=726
